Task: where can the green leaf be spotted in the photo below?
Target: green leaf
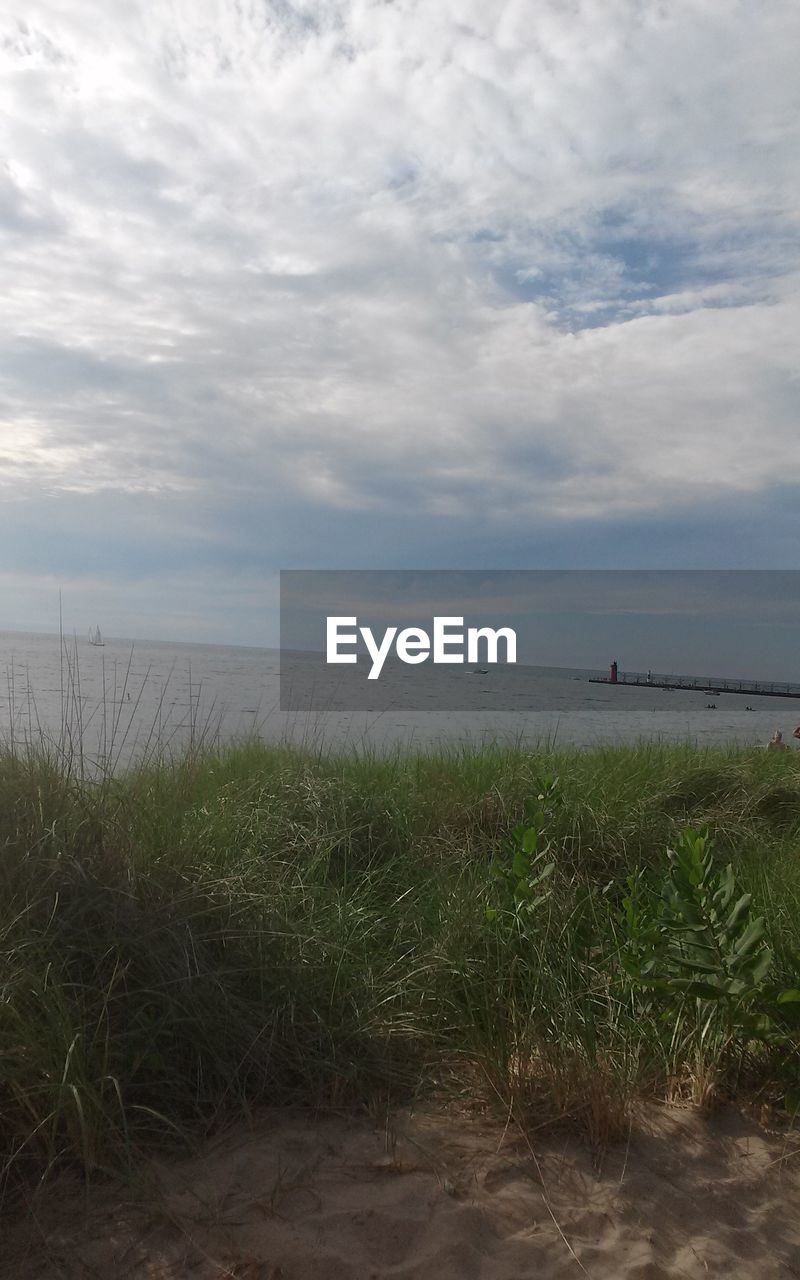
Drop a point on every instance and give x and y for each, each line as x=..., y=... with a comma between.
x=700, y=990
x=690, y=913
x=757, y=968
x=752, y=934
x=738, y=911
x=705, y=990
x=530, y=839
x=543, y=872
x=726, y=890
x=790, y=996
x=537, y=902
x=521, y=865
x=697, y=966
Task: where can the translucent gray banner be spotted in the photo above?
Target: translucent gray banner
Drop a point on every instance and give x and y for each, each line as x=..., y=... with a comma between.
x=536, y=640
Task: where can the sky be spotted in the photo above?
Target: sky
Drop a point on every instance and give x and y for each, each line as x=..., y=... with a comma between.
x=359, y=284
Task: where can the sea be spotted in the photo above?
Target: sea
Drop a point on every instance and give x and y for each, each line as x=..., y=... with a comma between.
x=128, y=700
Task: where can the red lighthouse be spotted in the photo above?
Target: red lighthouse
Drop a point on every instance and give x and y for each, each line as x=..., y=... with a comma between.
x=613, y=673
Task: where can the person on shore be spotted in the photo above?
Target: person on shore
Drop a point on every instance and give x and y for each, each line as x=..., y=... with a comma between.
x=776, y=742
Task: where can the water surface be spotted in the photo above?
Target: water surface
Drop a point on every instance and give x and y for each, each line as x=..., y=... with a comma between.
x=118, y=700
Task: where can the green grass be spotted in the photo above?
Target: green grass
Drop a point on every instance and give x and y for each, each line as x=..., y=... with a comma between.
x=187, y=941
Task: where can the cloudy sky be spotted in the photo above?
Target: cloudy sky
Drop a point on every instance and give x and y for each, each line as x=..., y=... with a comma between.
x=350, y=283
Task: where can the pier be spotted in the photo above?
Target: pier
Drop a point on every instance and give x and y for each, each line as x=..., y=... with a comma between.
x=699, y=684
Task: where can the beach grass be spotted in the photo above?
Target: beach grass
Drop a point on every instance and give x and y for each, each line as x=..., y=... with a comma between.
x=192, y=939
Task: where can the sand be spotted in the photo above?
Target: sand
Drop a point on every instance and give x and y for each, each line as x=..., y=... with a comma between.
x=435, y=1196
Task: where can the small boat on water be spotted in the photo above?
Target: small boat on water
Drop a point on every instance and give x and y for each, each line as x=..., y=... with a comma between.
x=95, y=637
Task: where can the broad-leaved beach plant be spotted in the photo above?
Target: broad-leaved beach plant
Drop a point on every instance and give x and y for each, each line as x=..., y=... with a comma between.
x=697, y=945
x=523, y=868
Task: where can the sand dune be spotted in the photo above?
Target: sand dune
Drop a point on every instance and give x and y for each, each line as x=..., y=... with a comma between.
x=436, y=1196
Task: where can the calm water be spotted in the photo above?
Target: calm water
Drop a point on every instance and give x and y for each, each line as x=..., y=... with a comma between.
x=119, y=699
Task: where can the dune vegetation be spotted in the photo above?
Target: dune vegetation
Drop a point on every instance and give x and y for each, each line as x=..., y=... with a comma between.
x=553, y=933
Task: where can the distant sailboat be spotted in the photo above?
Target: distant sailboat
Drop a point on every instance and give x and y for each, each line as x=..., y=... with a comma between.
x=95, y=636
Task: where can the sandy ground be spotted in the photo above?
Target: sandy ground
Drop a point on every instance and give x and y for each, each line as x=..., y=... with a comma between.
x=433, y=1196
